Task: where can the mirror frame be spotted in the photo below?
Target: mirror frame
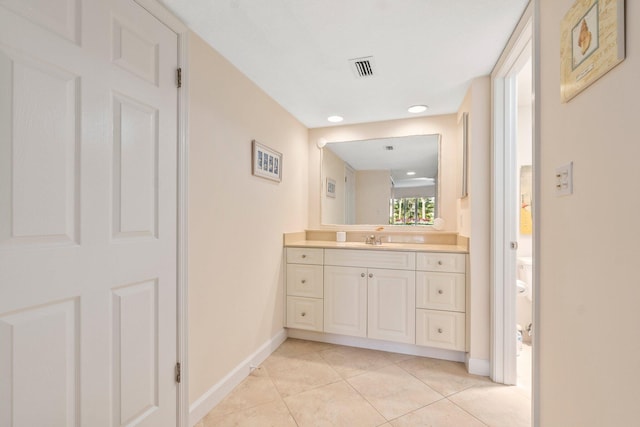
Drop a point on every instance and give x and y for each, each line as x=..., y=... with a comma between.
x=414, y=227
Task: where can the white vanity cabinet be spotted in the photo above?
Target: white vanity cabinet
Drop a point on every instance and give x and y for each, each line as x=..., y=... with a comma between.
x=408, y=297
x=441, y=300
x=364, y=301
x=305, y=288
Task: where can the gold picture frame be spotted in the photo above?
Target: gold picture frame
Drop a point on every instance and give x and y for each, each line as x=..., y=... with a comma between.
x=592, y=43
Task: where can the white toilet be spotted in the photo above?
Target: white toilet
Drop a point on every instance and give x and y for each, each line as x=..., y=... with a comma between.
x=525, y=277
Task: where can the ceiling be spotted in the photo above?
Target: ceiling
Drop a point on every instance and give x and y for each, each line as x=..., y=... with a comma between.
x=416, y=153
x=298, y=51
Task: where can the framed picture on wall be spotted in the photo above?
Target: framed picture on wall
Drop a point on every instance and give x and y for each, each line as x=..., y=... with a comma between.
x=592, y=43
x=266, y=162
x=331, y=188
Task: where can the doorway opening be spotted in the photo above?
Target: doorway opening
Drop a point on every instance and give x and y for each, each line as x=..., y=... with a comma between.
x=513, y=203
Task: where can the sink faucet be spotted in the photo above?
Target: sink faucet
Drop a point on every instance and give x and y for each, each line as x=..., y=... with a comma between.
x=373, y=240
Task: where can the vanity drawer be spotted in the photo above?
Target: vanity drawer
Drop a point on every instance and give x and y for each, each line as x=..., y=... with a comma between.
x=437, y=261
x=305, y=313
x=440, y=291
x=370, y=259
x=305, y=256
x=441, y=329
x=304, y=280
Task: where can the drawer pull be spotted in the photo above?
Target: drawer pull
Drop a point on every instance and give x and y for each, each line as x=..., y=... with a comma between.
x=370, y=275
x=439, y=329
x=439, y=291
x=303, y=281
x=362, y=274
x=303, y=314
x=304, y=256
x=439, y=262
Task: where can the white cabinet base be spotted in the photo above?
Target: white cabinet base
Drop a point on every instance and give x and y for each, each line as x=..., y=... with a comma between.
x=368, y=343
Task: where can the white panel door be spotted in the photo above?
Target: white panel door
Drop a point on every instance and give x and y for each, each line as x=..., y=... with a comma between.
x=88, y=114
x=345, y=300
x=392, y=305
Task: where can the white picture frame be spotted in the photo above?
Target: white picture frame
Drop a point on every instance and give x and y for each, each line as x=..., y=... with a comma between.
x=266, y=162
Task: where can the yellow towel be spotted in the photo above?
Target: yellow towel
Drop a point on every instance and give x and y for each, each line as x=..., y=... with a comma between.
x=526, y=222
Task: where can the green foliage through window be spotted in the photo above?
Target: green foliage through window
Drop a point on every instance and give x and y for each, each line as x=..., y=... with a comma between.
x=411, y=211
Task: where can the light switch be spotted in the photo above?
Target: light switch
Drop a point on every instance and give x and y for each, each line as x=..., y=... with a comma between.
x=564, y=180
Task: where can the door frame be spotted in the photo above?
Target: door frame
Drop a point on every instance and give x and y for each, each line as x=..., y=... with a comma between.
x=525, y=35
x=173, y=23
x=504, y=213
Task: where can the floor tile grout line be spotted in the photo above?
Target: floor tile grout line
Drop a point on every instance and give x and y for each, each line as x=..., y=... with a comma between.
x=463, y=409
x=225, y=414
x=367, y=400
x=290, y=413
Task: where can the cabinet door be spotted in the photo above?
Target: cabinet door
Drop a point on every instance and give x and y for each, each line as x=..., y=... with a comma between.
x=345, y=300
x=392, y=305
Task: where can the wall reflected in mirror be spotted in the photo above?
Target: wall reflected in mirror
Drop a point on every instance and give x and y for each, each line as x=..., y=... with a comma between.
x=382, y=181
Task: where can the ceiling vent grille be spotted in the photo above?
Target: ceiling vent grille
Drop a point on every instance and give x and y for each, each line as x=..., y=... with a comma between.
x=363, y=67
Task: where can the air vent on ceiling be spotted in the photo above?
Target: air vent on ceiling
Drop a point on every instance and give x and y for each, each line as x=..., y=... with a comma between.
x=363, y=67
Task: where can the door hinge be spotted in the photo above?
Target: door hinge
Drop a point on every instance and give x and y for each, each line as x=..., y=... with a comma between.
x=514, y=245
x=179, y=77
x=178, y=372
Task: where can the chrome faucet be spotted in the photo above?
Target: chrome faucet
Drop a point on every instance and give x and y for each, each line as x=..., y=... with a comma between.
x=373, y=240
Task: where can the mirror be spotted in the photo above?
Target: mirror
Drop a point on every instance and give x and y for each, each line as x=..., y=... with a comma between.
x=381, y=181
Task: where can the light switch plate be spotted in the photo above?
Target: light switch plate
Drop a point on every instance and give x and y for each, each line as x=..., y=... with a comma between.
x=564, y=180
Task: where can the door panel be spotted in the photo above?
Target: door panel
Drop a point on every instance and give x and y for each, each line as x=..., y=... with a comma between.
x=39, y=350
x=88, y=137
x=61, y=17
x=135, y=168
x=39, y=166
x=135, y=338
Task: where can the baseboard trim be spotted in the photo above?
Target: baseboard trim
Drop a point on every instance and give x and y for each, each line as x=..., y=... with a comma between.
x=213, y=396
x=371, y=344
x=478, y=366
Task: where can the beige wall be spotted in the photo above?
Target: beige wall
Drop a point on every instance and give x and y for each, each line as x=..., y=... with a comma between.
x=475, y=217
x=446, y=125
x=236, y=220
x=589, y=254
x=333, y=208
x=373, y=191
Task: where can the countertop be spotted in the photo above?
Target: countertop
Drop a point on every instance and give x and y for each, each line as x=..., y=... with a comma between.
x=411, y=247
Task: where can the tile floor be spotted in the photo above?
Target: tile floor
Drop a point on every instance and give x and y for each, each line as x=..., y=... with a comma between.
x=305, y=383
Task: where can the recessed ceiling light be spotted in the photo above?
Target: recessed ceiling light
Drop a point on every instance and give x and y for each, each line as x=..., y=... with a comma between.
x=411, y=173
x=417, y=109
x=335, y=119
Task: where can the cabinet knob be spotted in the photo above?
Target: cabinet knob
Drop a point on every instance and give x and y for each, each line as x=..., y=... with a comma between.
x=439, y=290
x=370, y=275
x=439, y=329
x=303, y=314
x=439, y=262
x=304, y=256
x=362, y=274
x=304, y=281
